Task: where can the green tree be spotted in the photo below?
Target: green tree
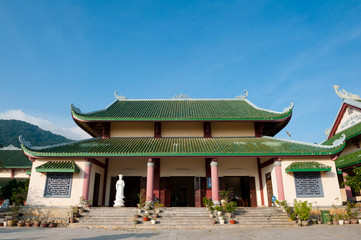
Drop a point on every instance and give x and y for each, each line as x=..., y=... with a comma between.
x=15, y=191
x=354, y=181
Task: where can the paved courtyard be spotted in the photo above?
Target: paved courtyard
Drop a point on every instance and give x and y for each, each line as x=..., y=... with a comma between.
x=348, y=232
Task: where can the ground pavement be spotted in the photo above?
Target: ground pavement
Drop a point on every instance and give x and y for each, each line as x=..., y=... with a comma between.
x=346, y=232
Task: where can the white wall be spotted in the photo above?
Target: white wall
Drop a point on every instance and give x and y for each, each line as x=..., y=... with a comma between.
x=329, y=183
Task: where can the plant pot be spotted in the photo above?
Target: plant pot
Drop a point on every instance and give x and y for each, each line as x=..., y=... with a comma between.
x=11, y=223
x=219, y=213
x=335, y=223
x=36, y=224
x=21, y=224
x=221, y=221
x=88, y=205
x=359, y=221
x=145, y=219
x=5, y=223
x=139, y=210
x=53, y=225
x=211, y=215
x=347, y=221
x=304, y=223
x=45, y=225
x=353, y=221
x=72, y=220
x=232, y=221
x=340, y=222
x=153, y=221
x=28, y=224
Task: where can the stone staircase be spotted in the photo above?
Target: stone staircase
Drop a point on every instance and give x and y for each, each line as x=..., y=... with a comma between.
x=122, y=218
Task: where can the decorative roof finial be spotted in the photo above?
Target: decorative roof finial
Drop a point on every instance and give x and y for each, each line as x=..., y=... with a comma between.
x=242, y=96
x=181, y=96
x=24, y=142
x=289, y=107
x=327, y=131
x=118, y=96
x=342, y=93
x=339, y=141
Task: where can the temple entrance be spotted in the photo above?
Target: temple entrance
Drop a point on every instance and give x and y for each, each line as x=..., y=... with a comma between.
x=131, y=190
x=269, y=189
x=181, y=191
x=241, y=190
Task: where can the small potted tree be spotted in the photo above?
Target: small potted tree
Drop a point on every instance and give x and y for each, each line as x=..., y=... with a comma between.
x=29, y=222
x=53, y=224
x=37, y=222
x=222, y=220
x=44, y=223
x=219, y=210
x=21, y=223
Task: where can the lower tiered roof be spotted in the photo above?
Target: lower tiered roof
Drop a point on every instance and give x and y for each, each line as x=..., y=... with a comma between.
x=177, y=146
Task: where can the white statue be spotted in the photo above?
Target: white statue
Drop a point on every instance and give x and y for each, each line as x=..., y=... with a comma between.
x=119, y=197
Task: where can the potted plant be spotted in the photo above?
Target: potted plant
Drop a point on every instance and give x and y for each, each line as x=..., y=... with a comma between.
x=89, y=203
x=44, y=223
x=73, y=212
x=302, y=210
x=29, y=223
x=232, y=221
x=53, y=224
x=37, y=222
x=230, y=208
x=154, y=220
x=346, y=219
x=221, y=220
x=21, y=223
x=340, y=219
x=352, y=212
x=145, y=217
x=11, y=222
x=219, y=210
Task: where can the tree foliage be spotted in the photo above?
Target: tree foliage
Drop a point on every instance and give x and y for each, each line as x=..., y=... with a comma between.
x=354, y=181
x=15, y=191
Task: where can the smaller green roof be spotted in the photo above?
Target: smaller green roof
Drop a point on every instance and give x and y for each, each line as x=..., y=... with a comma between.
x=14, y=159
x=58, y=166
x=309, y=166
x=28, y=172
x=349, y=159
x=350, y=132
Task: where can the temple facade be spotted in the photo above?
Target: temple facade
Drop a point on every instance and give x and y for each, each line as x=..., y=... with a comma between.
x=348, y=123
x=180, y=150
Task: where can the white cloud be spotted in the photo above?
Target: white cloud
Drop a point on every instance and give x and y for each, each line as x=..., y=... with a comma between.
x=75, y=133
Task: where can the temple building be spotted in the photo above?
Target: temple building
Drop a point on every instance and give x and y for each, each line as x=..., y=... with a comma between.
x=347, y=122
x=181, y=150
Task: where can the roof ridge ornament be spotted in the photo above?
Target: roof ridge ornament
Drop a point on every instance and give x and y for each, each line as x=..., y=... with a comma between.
x=327, y=131
x=342, y=93
x=289, y=107
x=339, y=141
x=75, y=109
x=24, y=142
x=118, y=96
x=181, y=96
x=242, y=96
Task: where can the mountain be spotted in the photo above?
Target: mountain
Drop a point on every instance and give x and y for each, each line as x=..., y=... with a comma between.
x=10, y=130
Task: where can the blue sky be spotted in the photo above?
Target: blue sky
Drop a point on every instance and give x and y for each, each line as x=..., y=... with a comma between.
x=54, y=53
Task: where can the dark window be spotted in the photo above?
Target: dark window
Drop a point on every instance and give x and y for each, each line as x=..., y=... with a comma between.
x=308, y=184
x=58, y=185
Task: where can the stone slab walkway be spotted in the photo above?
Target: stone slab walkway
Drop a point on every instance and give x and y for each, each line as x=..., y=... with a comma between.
x=348, y=232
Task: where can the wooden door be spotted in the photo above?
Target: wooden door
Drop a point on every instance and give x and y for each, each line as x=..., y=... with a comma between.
x=113, y=191
x=96, y=190
x=252, y=191
x=164, y=191
x=269, y=189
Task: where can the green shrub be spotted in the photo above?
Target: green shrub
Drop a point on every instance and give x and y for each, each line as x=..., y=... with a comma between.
x=302, y=209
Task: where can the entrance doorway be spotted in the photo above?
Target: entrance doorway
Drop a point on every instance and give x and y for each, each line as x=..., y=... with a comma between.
x=181, y=191
x=240, y=188
x=269, y=189
x=131, y=191
x=96, y=190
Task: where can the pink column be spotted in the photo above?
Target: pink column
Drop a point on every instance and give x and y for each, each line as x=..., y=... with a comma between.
x=215, y=182
x=86, y=182
x=347, y=188
x=150, y=180
x=280, y=190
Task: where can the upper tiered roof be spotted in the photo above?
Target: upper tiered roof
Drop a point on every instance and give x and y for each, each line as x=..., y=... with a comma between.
x=184, y=109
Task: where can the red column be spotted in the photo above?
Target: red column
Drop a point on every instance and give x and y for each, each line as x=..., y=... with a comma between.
x=86, y=181
x=150, y=180
x=208, y=176
x=280, y=190
x=260, y=179
x=347, y=188
x=215, y=181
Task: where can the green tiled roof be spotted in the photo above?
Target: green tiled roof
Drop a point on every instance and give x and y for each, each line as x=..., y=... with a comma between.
x=152, y=147
x=14, y=159
x=308, y=166
x=58, y=166
x=181, y=110
x=350, y=132
x=349, y=159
